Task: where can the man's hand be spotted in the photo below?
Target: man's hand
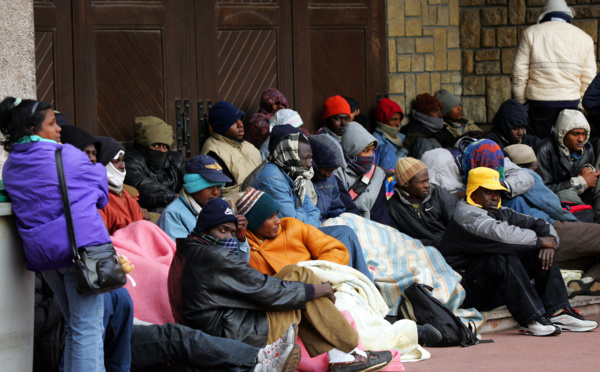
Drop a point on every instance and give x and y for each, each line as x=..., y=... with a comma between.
x=549, y=242
x=546, y=257
x=242, y=226
x=325, y=290
x=590, y=176
x=145, y=214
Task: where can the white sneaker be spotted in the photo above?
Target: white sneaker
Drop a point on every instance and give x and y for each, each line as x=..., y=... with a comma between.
x=572, y=321
x=288, y=338
x=540, y=327
x=285, y=361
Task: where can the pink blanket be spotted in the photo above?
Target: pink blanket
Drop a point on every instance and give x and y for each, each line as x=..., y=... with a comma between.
x=151, y=251
x=319, y=363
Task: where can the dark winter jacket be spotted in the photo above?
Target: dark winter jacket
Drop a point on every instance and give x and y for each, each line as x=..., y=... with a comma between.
x=428, y=224
x=416, y=130
x=510, y=115
x=328, y=203
x=558, y=169
x=157, y=190
x=213, y=290
x=474, y=231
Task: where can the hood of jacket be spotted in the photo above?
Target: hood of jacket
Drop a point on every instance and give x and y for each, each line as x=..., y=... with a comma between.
x=510, y=115
x=566, y=122
x=356, y=138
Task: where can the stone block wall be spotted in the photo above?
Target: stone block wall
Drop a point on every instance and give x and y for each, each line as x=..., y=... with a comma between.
x=490, y=32
x=423, y=48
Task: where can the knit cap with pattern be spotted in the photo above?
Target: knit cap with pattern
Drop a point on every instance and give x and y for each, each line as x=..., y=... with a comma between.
x=257, y=207
x=407, y=168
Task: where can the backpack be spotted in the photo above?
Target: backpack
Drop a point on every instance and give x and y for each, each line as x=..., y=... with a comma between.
x=584, y=213
x=418, y=305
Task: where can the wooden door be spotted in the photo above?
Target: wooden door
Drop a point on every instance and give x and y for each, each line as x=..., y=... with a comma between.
x=339, y=49
x=127, y=57
x=53, y=55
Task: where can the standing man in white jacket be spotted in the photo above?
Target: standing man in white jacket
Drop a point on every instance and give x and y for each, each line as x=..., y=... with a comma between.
x=554, y=65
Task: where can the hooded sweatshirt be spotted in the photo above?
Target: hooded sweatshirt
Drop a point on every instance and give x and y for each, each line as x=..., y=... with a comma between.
x=557, y=166
x=258, y=129
x=510, y=115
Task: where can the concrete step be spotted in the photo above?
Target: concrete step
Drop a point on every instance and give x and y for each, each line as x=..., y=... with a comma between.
x=500, y=319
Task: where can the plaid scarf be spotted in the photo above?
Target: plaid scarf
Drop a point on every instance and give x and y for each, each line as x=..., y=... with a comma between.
x=483, y=153
x=231, y=243
x=360, y=164
x=286, y=157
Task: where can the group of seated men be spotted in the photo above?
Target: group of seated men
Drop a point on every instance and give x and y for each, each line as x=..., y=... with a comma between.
x=273, y=221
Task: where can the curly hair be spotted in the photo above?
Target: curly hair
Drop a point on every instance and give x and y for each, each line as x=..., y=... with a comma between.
x=19, y=118
x=425, y=103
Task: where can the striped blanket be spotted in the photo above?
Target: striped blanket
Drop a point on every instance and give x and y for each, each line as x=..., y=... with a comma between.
x=397, y=260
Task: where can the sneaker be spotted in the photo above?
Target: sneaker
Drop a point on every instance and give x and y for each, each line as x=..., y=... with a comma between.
x=428, y=335
x=270, y=351
x=286, y=361
x=540, y=327
x=571, y=320
x=374, y=361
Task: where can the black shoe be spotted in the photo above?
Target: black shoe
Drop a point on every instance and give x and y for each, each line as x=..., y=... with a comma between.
x=428, y=335
x=374, y=361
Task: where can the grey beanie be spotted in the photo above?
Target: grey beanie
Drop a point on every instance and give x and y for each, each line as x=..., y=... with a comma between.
x=556, y=6
x=448, y=100
x=356, y=138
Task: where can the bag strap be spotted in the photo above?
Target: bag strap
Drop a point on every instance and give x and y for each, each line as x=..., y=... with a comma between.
x=66, y=205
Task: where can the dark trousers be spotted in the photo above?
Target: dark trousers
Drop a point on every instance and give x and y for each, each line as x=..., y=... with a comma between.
x=543, y=119
x=517, y=282
x=118, y=321
x=190, y=349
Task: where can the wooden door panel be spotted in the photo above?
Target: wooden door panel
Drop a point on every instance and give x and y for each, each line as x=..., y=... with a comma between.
x=129, y=80
x=44, y=66
x=345, y=50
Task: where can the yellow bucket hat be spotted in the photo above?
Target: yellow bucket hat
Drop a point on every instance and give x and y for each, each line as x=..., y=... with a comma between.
x=483, y=177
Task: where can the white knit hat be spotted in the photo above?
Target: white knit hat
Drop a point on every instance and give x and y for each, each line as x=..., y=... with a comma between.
x=556, y=6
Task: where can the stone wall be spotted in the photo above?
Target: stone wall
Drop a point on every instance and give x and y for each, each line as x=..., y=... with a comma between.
x=490, y=31
x=17, y=53
x=423, y=48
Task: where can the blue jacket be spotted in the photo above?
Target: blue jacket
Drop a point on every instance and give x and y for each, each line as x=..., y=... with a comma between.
x=31, y=180
x=387, y=152
x=329, y=203
x=178, y=219
x=280, y=186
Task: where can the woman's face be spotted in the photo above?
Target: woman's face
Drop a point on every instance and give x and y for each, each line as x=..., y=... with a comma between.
x=49, y=129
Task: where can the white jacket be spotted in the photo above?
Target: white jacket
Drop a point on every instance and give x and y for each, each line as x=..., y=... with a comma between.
x=555, y=61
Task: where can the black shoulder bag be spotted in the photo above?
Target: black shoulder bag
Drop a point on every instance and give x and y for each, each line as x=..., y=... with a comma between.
x=98, y=269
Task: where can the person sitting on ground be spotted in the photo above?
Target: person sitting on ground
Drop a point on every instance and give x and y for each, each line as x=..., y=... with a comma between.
x=452, y=113
x=387, y=133
x=202, y=182
x=355, y=114
x=121, y=209
x=426, y=130
x=581, y=237
x=227, y=146
x=366, y=182
x=81, y=139
x=152, y=169
x=246, y=305
x=510, y=126
x=281, y=117
x=499, y=253
x=330, y=198
x=566, y=161
x=336, y=115
x=258, y=129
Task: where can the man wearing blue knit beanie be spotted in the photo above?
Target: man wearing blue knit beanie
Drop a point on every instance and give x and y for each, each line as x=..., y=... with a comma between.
x=202, y=182
x=237, y=157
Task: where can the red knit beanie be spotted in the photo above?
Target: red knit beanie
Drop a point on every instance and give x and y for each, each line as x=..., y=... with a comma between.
x=386, y=108
x=426, y=102
x=334, y=106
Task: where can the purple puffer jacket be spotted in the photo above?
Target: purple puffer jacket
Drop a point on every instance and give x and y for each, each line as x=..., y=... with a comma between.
x=31, y=180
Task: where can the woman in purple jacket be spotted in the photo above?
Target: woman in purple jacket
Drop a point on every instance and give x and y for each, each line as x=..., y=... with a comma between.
x=31, y=180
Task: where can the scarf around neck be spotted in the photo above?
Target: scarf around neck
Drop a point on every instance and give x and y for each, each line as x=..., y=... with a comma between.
x=429, y=122
x=390, y=133
x=360, y=164
x=286, y=157
x=205, y=239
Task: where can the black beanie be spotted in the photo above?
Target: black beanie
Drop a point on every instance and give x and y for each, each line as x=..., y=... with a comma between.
x=77, y=137
x=109, y=147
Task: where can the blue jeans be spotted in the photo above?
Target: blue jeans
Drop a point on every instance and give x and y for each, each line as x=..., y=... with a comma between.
x=349, y=238
x=118, y=322
x=192, y=350
x=83, y=315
